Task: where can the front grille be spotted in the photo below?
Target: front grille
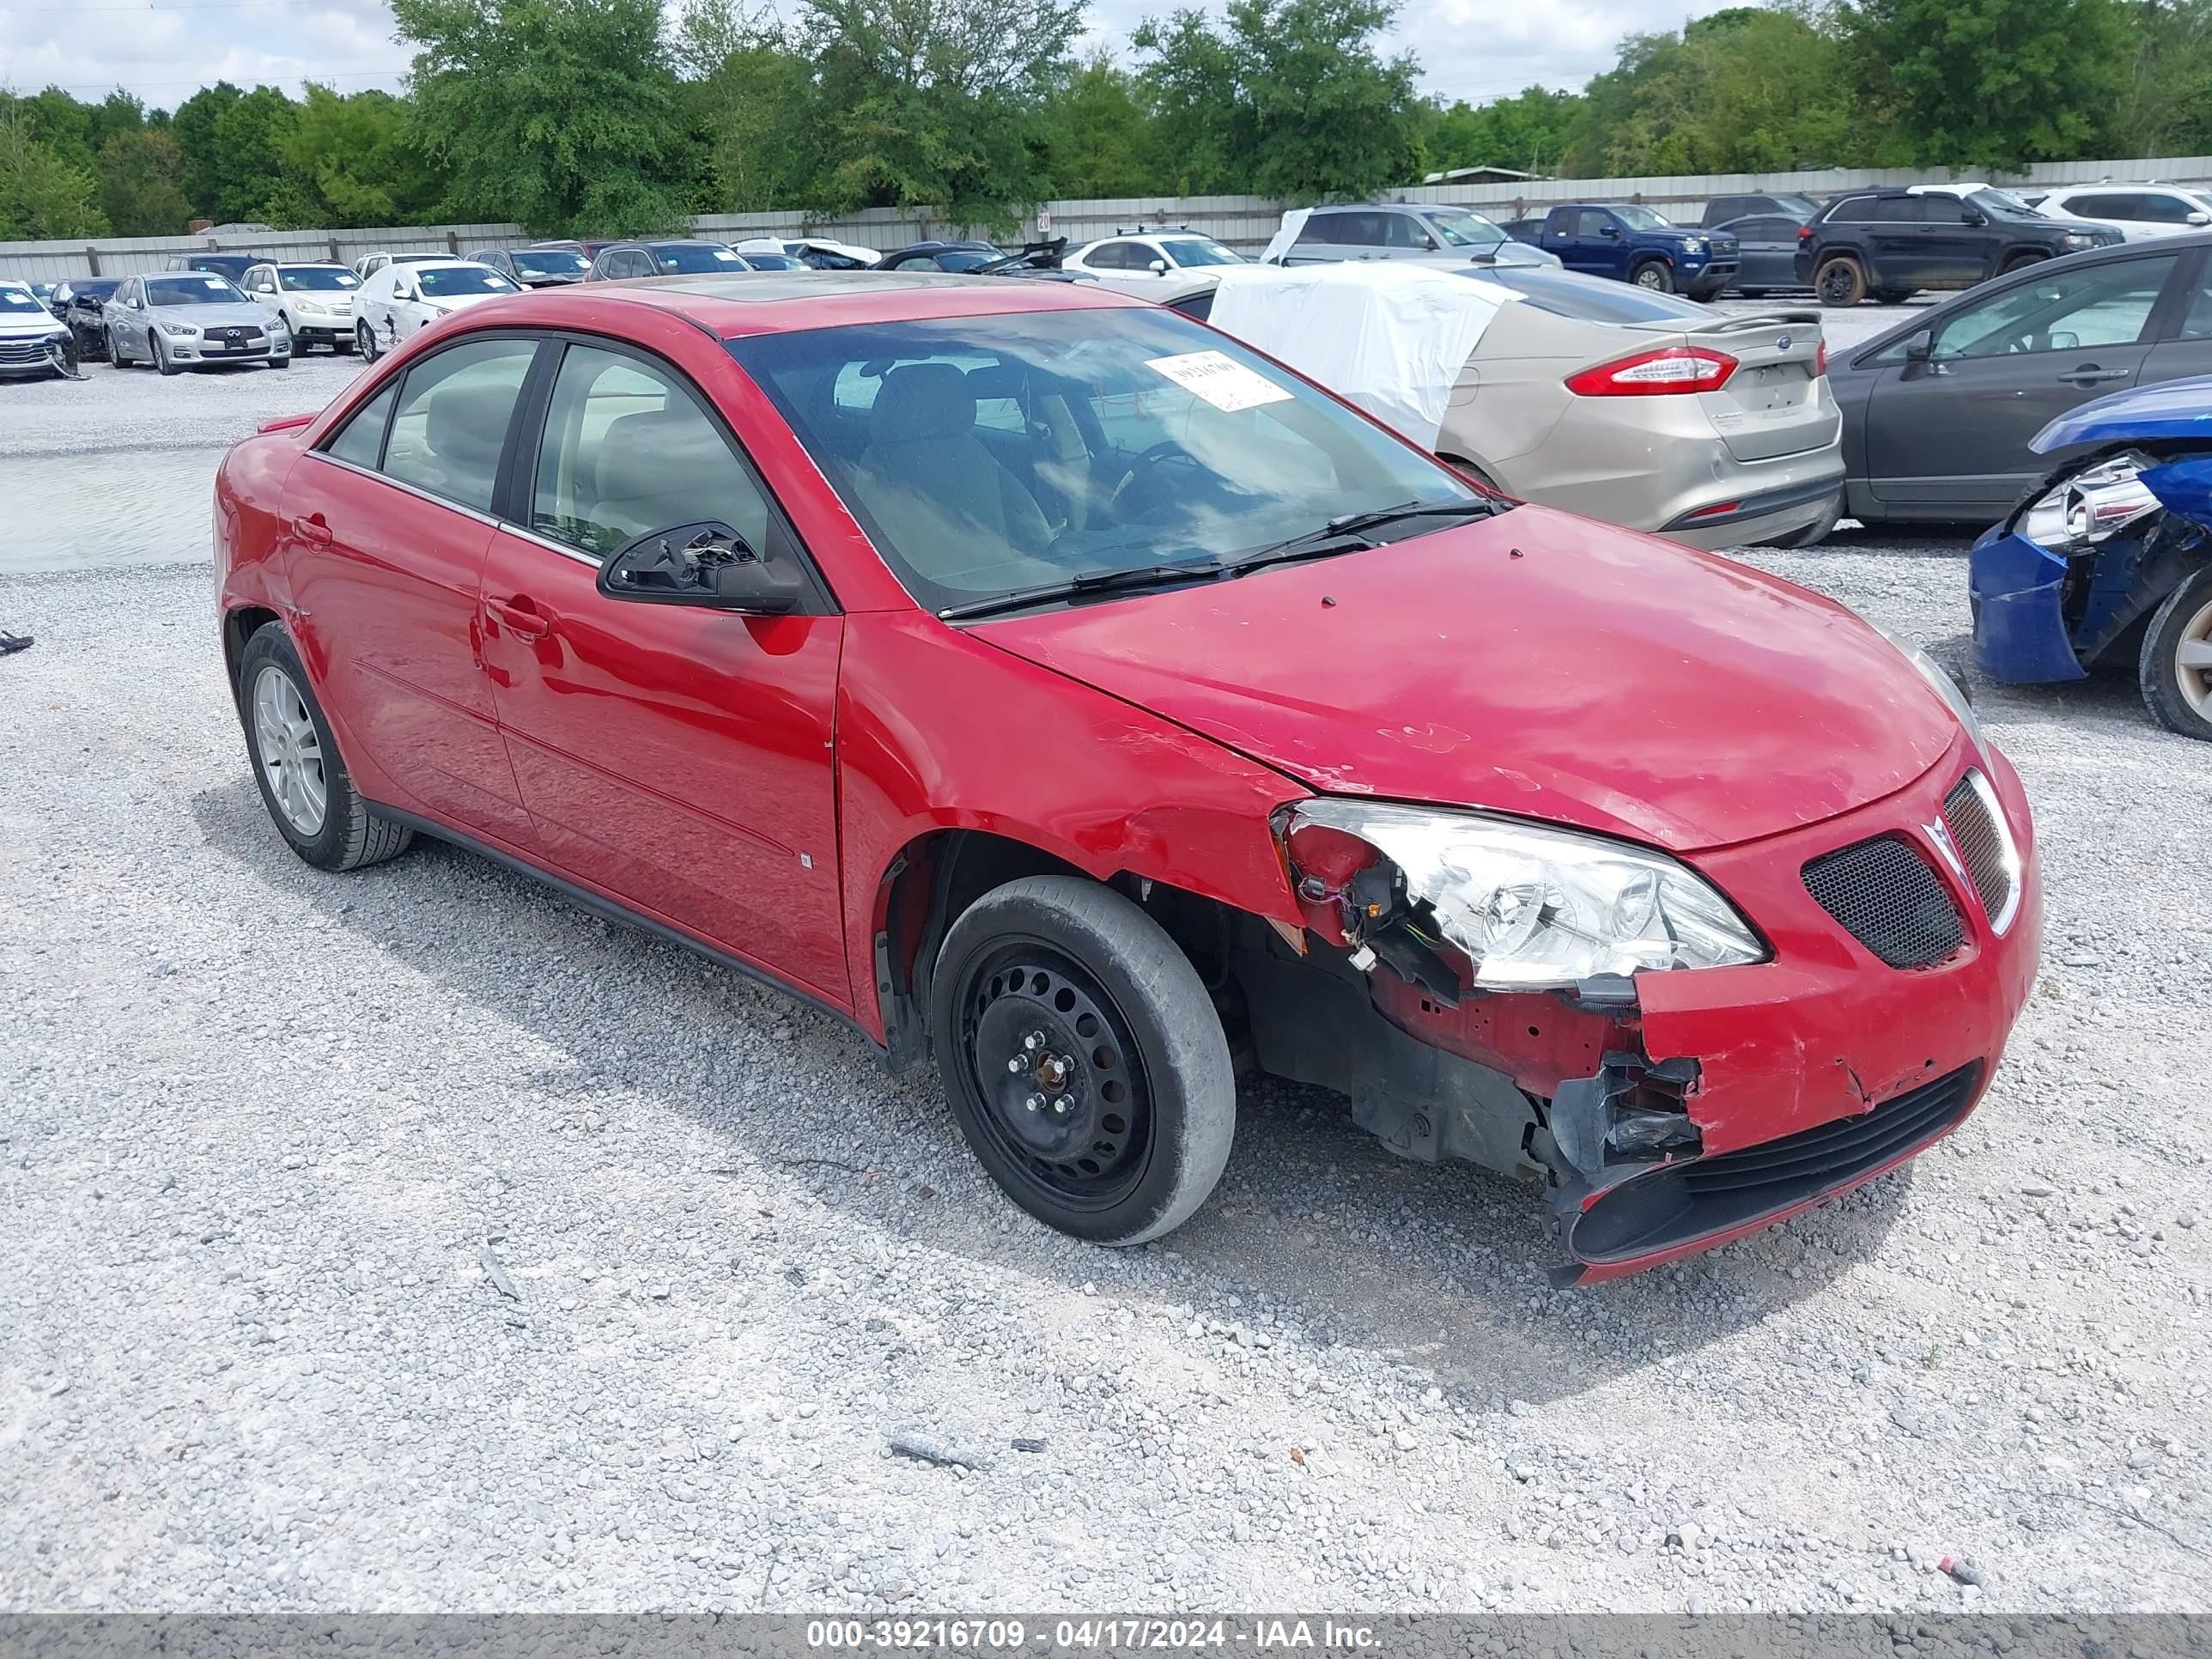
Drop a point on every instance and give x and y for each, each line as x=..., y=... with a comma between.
x=1984, y=847
x=1683, y=1202
x=1889, y=900
x=248, y=335
x=23, y=351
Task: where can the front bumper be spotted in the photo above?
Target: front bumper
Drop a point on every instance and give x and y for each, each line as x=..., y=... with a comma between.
x=201, y=352
x=1801, y=1077
x=2017, y=591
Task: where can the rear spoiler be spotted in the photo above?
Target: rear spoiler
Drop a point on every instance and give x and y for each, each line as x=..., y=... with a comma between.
x=1731, y=323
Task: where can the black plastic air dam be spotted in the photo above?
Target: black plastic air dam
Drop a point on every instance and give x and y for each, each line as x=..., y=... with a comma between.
x=1684, y=1202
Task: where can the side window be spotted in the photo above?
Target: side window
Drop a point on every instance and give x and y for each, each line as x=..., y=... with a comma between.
x=2196, y=324
x=1319, y=228
x=451, y=421
x=2104, y=305
x=628, y=450
x=2161, y=209
x=361, y=440
x=1592, y=221
x=1403, y=230
x=1850, y=212
x=1113, y=256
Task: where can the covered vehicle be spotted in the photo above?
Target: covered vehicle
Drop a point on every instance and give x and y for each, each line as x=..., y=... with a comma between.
x=1641, y=409
x=2108, y=562
x=32, y=340
x=179, y=321
x=1037, y=679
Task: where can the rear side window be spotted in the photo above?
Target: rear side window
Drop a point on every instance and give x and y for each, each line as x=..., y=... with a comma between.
x=628, y=450
x=1852, y=211
x=451, y=421
x=1897, y=210
x=361, y=440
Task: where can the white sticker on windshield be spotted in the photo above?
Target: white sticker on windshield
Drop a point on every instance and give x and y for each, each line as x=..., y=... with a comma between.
x=215, y=283
x=1220, y=380
x=726, y=256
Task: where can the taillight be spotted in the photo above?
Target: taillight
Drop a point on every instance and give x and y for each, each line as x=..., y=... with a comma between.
x=1820, y=361
x=1656, y=373
x=1804, y=233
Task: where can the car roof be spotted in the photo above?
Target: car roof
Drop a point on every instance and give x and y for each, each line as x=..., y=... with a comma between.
x=739, y=303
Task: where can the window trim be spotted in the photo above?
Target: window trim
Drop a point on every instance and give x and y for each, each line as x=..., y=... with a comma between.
x=526, y=436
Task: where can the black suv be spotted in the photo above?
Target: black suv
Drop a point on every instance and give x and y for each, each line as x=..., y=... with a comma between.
x=1889, y=242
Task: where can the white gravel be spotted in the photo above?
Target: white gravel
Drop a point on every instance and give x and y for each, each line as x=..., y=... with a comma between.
x=410, y=1240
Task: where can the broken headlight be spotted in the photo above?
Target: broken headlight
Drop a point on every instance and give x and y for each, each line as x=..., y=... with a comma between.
x=1533, y=908
x=2084, y=509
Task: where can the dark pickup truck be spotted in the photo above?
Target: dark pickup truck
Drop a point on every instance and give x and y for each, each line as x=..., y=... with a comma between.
x=1633, y=244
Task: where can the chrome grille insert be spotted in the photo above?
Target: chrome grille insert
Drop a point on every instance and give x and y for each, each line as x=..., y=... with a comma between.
x=1984, y=839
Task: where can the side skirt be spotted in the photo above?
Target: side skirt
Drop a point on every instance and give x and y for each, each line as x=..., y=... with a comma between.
x=584, y=898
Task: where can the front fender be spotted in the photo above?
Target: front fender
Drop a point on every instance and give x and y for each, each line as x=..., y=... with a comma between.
x=2021, y=636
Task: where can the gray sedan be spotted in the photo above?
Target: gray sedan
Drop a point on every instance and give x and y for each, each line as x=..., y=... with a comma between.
x=188, y=319
x=1938, y=410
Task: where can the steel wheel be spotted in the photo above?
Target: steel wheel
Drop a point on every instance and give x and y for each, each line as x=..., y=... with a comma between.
x=2192, y=662
x=1058, y=1074
x=290, y=751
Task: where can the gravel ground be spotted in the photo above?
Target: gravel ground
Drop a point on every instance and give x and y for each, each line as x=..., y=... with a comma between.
x=410, y=1240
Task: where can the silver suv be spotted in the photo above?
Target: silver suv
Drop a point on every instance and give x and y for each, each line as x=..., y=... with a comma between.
x=1407, y=230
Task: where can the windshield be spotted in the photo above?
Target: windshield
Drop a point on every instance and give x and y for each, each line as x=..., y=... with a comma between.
x=316, y=279
x=1803, y=206
x=689, y=259
x=18, y=300
x=2002, y=204
x=1199, y=251
x=1641, y=218
x=966, y=259
x=552, y=262
x=448, y=281
x=984, y=456
x=205, y=290
x=1461, y=229
x=1586, y=299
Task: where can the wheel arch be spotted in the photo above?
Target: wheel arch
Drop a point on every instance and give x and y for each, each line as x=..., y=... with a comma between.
x=240, y=623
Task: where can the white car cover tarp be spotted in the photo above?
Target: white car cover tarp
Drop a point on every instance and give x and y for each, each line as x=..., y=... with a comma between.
x=1278, y=245
x=1393, y=338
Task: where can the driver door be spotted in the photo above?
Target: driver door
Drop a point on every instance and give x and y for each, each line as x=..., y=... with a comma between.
x=1949, y=435
x=676, y=756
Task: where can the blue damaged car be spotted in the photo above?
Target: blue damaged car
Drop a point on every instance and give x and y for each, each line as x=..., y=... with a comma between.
x=2108, y=562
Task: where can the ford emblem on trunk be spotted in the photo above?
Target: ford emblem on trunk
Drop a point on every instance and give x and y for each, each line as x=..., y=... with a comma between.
x=1782, y=345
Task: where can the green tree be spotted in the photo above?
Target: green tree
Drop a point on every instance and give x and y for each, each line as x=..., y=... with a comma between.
x=250, y=135
x=41, y=194
x=351, y=160
x=1987, y=83
x=1526, y=132
x=1292, y=99
x=1094, y=133
x=140, y=183
x=194, y=124
x=560, y=114
x=2165, y=103
x=754, y=105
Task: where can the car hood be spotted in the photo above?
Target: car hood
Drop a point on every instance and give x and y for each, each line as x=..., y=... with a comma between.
x=223, y=316
x=15, y=325
x=2171, y=409
x=1536, y=664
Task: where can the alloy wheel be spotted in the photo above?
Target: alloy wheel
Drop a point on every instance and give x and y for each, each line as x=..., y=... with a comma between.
x=291, y=751
x=1651, y=277
x=2192, y=662
x=1056, y=1075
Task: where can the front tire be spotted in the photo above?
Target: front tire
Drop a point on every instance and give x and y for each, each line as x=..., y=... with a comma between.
x=163, y=360
x=1653, y=274
x=304, y=783
x=2175, y=668
x=1083, y=1060
x=364, y=336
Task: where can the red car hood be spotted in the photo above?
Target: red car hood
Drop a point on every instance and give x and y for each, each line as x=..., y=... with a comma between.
x=1536, y=664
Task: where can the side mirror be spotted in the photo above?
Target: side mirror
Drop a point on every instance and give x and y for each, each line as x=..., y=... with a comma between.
x=1613, y=231
x=2200, y=218
x=1159, y=267
x=705, y=562
x=1976, y=217
x=1921, y=346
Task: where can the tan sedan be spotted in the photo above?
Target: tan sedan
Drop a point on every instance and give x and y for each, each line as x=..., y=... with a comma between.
x=1643, y=410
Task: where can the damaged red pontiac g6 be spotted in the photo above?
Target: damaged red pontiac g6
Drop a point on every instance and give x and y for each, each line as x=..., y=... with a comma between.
x=1043, y=682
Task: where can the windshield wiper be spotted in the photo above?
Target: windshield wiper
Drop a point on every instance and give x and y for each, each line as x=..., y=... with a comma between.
x=1088, y=581
x=1349, y=533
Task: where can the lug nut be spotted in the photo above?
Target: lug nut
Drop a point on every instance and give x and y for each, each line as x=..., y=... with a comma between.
x=1061, y=1105
x=1034, y=1101
x=1014, y=1065
x=1033, y=1042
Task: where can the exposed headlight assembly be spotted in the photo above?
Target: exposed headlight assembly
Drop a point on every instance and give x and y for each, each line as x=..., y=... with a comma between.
x=1533, y=908
x=2083, y=510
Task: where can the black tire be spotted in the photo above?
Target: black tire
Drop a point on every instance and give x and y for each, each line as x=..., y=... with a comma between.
x=1812, y=535
x=349, y=834
x=365, y=338
x=2020, y=262
x=1654, y=275
x=1840, y=282
x=162, y=361
x=341, y=348
x=285, y=361
x=1891, y=296
x=2185, y=618
x=1129, y=1041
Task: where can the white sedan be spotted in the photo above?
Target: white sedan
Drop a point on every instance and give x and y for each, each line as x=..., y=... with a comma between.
x=1145, y=259
x=400, y=301
x=314, y=301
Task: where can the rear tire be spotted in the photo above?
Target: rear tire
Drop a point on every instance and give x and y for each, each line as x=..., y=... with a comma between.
x=2175, y=668
x=1083, y=1060
x=304, y=783
x=1840, y=282
x=364, y=336
x=1653, y=274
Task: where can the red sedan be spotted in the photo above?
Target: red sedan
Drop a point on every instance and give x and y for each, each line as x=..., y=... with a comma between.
x=1042, y=681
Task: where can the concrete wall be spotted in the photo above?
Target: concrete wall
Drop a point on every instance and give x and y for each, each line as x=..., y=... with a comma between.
x=1244, y=222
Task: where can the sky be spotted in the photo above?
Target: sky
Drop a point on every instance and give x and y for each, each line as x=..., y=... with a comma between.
x=1472, y=49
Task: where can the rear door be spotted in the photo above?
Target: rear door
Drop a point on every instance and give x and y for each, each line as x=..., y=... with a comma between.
x=1948, y=437
x=1897, y=242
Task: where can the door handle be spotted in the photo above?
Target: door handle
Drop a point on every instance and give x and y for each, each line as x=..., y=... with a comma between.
x=521, y=617
x=2090, y=375
x=312, y=530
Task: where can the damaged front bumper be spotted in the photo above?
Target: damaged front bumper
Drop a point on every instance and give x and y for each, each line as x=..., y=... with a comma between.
x=1674, y=1111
